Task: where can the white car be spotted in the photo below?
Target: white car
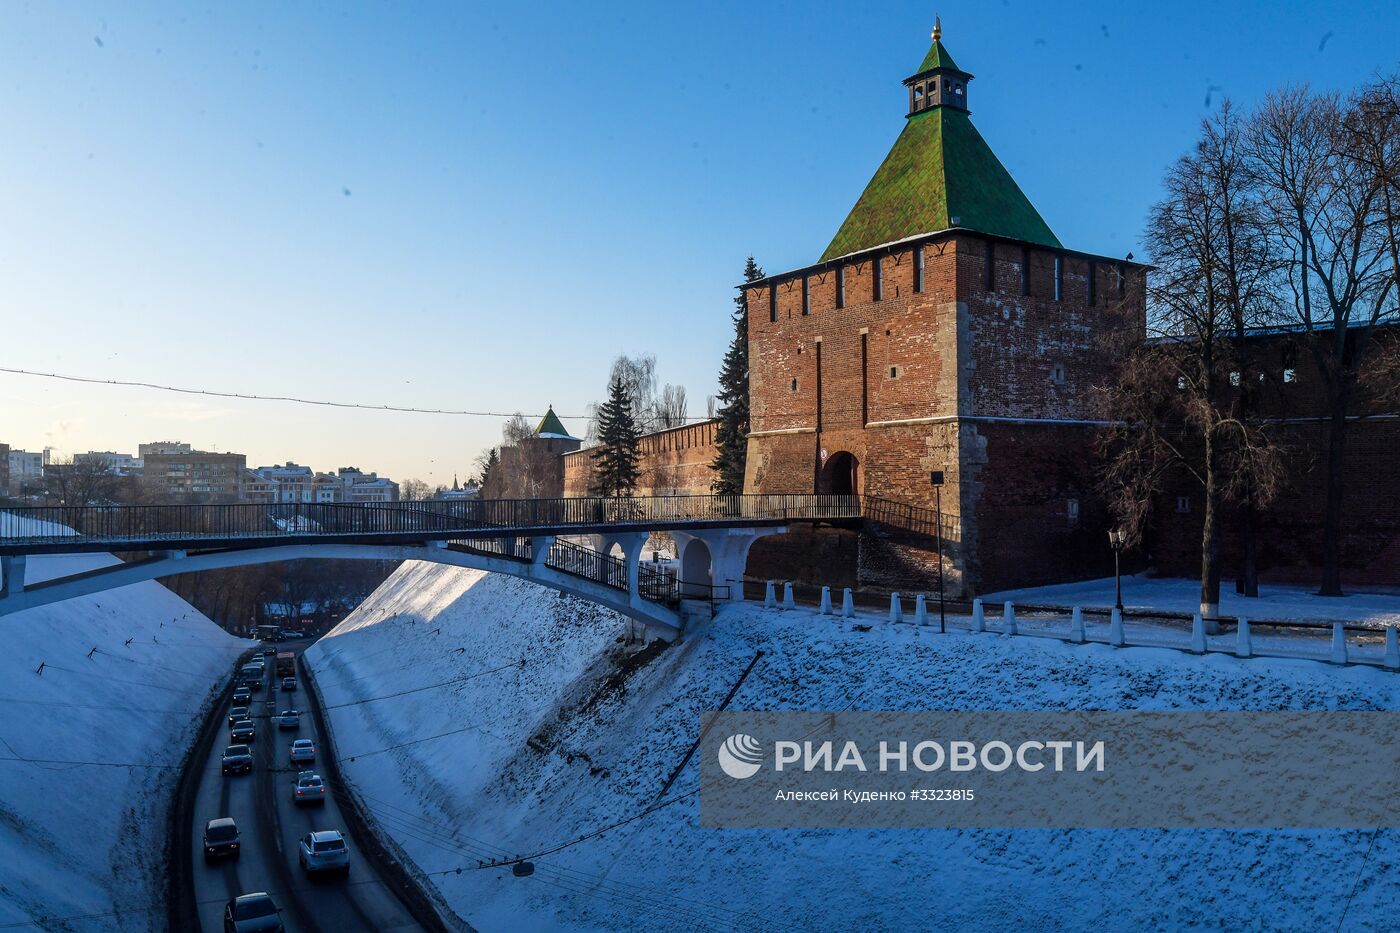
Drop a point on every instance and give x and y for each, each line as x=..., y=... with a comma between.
x=310, y=788
x=288, y=719
x=324, y=850
x=303, y=752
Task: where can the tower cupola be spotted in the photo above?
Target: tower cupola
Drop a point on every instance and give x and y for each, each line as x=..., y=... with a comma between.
x=939, y=81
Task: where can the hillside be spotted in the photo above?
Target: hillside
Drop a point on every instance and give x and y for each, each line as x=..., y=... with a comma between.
x=90, y=746
x=466, y=753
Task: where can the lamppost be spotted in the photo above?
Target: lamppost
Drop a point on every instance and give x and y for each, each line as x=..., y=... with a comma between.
x=935, y=479
x=1116, y=539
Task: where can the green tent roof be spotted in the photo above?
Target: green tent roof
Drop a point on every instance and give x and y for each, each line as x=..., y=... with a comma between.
x=937, y=57
x=940, y=174
x=550, y=424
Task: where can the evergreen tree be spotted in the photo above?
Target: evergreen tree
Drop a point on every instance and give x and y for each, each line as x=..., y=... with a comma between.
x=732, y=434
x=615, y=464
x=487, y=464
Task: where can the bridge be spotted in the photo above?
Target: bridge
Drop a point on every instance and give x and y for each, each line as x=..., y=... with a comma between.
x=566, y=544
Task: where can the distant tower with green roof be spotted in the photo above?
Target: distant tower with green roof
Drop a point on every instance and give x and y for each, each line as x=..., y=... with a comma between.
x=945, y=330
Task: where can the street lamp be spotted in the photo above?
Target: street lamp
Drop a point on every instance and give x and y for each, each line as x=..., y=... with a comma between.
x=935, y=479
x=1117, y=537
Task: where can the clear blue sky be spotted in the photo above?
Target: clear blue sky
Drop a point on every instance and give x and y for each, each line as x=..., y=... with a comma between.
x=478, y=206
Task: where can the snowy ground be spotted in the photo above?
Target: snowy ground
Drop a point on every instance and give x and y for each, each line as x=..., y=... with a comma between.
x=1275, y=602
x=463, y=752
x=89, y=748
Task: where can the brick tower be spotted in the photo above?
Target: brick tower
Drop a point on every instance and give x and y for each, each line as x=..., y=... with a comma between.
x=945, y=328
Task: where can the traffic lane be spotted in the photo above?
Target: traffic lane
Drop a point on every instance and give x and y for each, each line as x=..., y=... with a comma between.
x=236, y=796
x=335, y=904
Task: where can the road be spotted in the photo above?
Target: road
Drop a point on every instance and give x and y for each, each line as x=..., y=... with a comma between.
x=271, y=825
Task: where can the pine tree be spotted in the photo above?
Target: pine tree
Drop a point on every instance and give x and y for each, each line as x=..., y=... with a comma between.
x=615, y=464
x=487, y=464
x=732, y=434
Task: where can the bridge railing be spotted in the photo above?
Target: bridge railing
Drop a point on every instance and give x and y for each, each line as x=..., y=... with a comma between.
x=582, y=561
x=151, y=524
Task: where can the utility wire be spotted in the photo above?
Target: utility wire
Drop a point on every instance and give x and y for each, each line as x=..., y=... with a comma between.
x=324, y=403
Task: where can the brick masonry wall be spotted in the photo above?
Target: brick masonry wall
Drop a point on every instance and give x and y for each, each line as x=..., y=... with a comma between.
x=1290, y=532
x=672, y=463
x=937, y=363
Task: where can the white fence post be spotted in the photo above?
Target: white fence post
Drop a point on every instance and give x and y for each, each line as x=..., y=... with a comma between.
x=1198, y=634
x=1243, y=648
x=770, y=599
x=920, y=610
x=1339, y=644
x=848, y=605
x=826, y=601
x=1392, y=648
x=1008, y=618
x=896, y=609
x=1076, y=626
x=788, y=602
x=979, y=623
x=1115, y=629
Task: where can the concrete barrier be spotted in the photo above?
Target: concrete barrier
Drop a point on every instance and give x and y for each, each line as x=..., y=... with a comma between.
x=979, y=622
x=1076, y=626
x=826, y=601
x=1339, y=644
x=1392, y=648
x=1198, y=634
x=1116, y=636
x=848, y=605
x=770, y=600
x=1243, y=646
x=896, y=610
x=920, y=610
x=1008, y=618
x=788, y=601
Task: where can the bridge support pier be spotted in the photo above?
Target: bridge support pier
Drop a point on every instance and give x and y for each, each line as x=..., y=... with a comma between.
x=631, y=543
x=725, y=555
x=11, y=574
x=539, y=549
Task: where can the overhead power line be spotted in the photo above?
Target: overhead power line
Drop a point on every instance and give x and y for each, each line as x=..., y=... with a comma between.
x=324, y=403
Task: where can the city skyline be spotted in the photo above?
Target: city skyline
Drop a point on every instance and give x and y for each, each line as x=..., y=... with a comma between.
x=355, y=207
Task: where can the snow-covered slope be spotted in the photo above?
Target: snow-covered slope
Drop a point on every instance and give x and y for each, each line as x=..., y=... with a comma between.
x=89, y=748
x=465, y=754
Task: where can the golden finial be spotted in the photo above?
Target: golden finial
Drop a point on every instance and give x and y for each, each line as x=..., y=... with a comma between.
x=937, y=29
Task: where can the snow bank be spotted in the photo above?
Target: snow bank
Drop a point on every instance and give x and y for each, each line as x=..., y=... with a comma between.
x=1275, y=602
x=82, y=814
x=460, y=764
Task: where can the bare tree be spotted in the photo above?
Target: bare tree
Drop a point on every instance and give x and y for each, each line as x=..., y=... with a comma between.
x=670, y=409
x=638, y=377
x=1328, y=168
x=413, y=489
x=90, y=482
x=1179, y=397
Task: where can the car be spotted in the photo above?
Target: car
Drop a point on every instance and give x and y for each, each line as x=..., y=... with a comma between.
x=324, y=850
x=237, y=759
x=289, y=684
x=252, y=913
x=242, y=731
x=289, y=634
x=303, y=751
x=269, y=651
x=288, y=719
x=242, y=696
x=309, y=788
x=236, y=713
x=220, y=839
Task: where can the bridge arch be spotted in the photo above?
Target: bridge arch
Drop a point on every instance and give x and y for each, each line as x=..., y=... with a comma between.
x=696, y=569
x=15, y=596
